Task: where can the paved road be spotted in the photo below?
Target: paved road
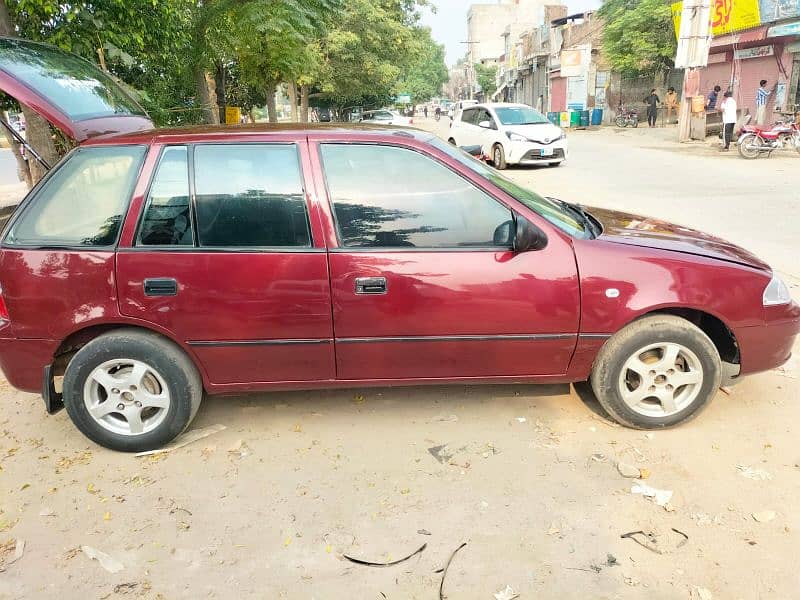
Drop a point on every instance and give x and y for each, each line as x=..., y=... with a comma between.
x=8, y=167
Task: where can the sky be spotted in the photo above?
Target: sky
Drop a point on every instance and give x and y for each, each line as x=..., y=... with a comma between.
x=449, y=23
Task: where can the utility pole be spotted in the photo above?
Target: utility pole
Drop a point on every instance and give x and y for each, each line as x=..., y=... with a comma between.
x=470, y=69
x=694, y=42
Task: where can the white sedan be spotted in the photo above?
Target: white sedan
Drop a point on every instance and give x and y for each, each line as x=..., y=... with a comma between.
x=510, y=134
x=386, y=117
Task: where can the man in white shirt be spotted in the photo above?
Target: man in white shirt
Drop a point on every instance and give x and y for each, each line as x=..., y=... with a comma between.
x=728, y=108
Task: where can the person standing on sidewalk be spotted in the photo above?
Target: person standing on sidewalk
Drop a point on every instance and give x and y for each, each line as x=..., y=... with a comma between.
x=652, y=102
x=728, y=108
x=672, y=103
x=762, y=97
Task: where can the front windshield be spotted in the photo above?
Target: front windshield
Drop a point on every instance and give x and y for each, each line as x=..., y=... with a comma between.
x=520, y=115
x=545, y=207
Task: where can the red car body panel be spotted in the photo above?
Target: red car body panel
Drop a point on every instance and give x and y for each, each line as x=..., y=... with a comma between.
x=290, y=320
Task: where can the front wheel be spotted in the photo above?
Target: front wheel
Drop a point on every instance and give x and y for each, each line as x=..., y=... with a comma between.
x=499, y=157
x=131, y=390
x=749, y=146
x=634, y=121
x=657, y=372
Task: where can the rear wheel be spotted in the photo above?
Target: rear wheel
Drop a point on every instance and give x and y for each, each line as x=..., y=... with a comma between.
x=499, y=157
x=622, y=121
x=131, y=390
x=749, y=146
x=657, y=372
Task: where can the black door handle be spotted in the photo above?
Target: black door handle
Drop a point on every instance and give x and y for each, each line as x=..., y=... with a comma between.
x=161, y=286
x=370, y=285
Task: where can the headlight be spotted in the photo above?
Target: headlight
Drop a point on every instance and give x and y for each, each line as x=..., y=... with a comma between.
x=515, y=137
x=776, y=292
x=562, y=136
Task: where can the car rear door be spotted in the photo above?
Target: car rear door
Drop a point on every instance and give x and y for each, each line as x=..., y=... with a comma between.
x=226, y=259
x=423, y=287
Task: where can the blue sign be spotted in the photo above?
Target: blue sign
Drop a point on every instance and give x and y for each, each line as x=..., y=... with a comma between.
x=785, y=29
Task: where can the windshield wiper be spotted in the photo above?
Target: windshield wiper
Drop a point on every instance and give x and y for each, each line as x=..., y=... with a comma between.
x=583, y=216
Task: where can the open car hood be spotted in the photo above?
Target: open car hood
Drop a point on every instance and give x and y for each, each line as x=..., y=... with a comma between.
x=635, y=230
x=70, y=92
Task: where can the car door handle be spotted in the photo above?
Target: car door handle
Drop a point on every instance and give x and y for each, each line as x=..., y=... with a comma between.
x=371, y=285
x=160, y=286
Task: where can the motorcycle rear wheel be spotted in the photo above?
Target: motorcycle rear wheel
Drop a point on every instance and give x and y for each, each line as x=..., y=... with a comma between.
x=749, y=146
x=622, y=122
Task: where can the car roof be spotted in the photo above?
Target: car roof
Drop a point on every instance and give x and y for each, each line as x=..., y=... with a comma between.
x=502, y=105
x=202, y=133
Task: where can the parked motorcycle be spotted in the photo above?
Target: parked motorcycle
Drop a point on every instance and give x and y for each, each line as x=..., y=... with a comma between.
x=627, y=117
x=755, y=140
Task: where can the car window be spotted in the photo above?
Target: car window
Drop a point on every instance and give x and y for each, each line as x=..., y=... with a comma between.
x=520, y=115
x=167, y=217
x=468, y=115
x=57, y=76
x=483, y=115
x=415, y=202
x=84, y=202
x=250, y=195
x=547, y=208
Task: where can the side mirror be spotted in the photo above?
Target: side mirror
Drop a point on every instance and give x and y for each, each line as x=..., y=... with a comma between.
x=527, y=236
x=485, y=124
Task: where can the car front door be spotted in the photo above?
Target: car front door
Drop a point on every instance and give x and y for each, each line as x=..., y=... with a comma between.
x=226, y=259
x=424, y=283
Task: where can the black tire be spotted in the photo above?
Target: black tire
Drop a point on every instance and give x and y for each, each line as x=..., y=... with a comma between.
x=622, y=122
x=607, y=370
x=451, y=141
x=635, y=122
x=499, y=157
x=177, y=370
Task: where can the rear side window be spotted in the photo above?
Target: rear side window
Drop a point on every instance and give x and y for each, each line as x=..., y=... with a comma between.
x=250, y=195
x=167, y=217
x=84, y=202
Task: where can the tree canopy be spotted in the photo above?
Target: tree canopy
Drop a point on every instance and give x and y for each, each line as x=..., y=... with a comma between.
x=639, y=37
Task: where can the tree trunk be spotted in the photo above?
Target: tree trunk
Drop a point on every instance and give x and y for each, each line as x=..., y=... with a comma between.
x=39, y=136
x=272, y=109
x=304, y=103
x=6, y=22
x=206, y=95
x=293, y=100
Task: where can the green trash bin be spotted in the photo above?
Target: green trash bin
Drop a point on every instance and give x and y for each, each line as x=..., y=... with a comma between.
x=575, y=118
x=585, y=118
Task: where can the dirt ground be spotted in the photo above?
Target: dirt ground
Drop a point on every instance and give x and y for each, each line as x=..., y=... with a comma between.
x=527, y=476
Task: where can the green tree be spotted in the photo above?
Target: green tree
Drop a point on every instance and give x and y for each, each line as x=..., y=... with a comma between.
x=427, y=72
x=638, y=38
x=486, y=77
x=365, y=52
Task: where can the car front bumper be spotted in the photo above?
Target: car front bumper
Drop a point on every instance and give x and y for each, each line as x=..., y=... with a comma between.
x=532, y=153
x=768, y=346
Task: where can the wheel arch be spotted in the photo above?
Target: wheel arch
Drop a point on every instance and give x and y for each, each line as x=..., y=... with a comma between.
x=712, y=325
x=78, y=338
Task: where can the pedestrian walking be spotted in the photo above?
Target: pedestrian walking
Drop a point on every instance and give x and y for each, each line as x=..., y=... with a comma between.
x=652, y=102
x=672, y=103
x=711, y=101
x=425, y=110
x=728, y=108
x=762, y=97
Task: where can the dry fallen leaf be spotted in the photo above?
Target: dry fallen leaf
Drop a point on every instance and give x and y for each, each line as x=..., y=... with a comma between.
x=644, y=473
x=91, y=489
x=107, y=516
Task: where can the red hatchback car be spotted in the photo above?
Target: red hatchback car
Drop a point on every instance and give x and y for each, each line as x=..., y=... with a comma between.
x=151, y=266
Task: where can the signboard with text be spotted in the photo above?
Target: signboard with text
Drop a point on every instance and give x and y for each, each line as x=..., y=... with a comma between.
x=726, y=16
x=757, y=52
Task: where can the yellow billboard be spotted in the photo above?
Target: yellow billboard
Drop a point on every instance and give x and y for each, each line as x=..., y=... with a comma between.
x=726, y=16
x=233, y=115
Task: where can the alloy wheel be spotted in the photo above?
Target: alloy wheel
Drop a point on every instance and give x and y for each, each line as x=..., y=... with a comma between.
x=661, y=380
x=126, y=396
